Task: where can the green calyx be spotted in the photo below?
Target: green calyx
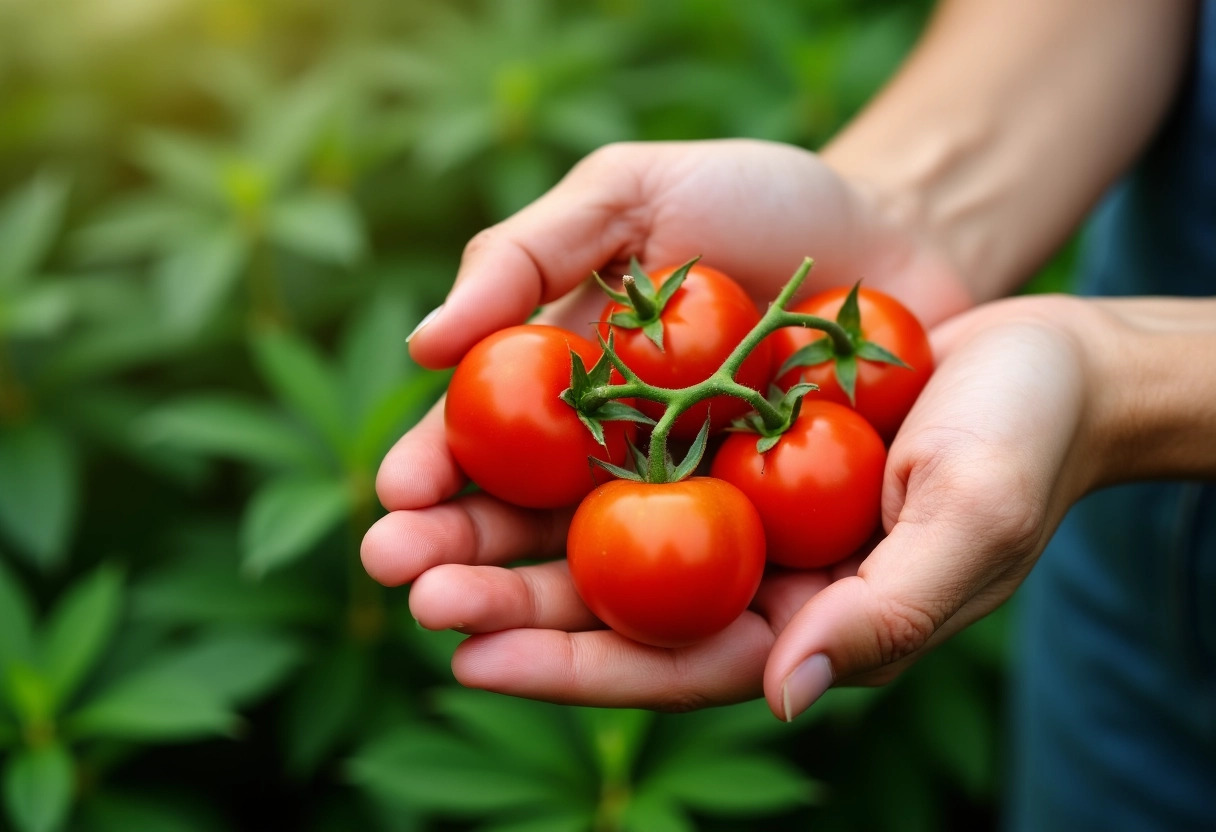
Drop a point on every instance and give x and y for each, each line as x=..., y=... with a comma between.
x=788, y=403
x=594, y=410
x=843, y=352
x=644, y=303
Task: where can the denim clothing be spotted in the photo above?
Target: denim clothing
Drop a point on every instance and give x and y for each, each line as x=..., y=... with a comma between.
x=1114, y=692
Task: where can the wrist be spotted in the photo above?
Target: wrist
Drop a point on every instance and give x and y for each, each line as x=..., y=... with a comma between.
x=1153, y=388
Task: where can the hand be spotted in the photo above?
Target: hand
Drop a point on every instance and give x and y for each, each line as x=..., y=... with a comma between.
x=984, y=468
x=751, y=208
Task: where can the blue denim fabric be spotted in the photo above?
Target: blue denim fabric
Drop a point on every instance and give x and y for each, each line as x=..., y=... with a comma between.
x=1113, y=718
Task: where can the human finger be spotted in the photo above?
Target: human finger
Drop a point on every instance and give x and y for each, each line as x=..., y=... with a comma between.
x=483, y=599
x=595, y=215
x=419, y=470
x=475, y=529
x=602, y=668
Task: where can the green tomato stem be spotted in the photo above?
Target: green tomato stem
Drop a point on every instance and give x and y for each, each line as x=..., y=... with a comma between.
x=722, y=382
x=646, y=309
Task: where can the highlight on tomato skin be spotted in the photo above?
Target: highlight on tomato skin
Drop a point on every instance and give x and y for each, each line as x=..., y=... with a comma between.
x=704, y=320
x=818, y=490
x=666, y=564
x=510, y=432
x=885, y=392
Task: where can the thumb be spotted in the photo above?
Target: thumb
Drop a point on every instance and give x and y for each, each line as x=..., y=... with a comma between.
x=970, y=518
x=919, y=586
x=593, y=217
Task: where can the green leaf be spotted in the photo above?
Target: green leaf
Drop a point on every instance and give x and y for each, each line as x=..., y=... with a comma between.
x=286, y=127
x=79, y=629
x=136, y=227
x=206, y=588
x=16, y=621
x=640, y=463
x=816, y=352
x=525, y=734
x=38, y=788
x=324, y=706
x=693, y=458
x=625, y=320
x=955, y=721
x=151, y=706
x=29, y=220
x=438, y=772
x=849, y=316
x=673, y=282
x=617, y=737
x=654, y=331
x=846, y=376
x=396, y=412
x=640, y=277
x=648, y=811
x=107, y=810
x=615, y=411
x=319, y=225
x=231, y=425
x=616, y=470
x=580, y=382
x=38, y=310
x=304, y=380
x=184, y=164
x=236, y=667
x=592, y=425
x=28, y=693
x=613, y=294
x=197, y=275
x=39, y=481
x=374, y=359
x=734, y=783
x=874, y=352
x=287, y=517
x=766, y=443
x=575, y=820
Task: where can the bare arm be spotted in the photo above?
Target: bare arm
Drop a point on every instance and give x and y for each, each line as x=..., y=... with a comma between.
x=1008, y=121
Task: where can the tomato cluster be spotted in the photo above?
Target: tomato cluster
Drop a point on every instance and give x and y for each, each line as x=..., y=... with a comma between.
x=662, y=557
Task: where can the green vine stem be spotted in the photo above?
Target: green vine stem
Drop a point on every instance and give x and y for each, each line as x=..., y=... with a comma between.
x=722, y=382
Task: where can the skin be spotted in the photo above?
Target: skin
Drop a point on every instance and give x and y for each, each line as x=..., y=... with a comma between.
x=948, y=190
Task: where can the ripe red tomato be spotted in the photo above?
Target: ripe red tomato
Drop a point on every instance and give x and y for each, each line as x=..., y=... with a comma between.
x=703, y=322
x=509, y=430
x=885, y=392
x=669, y=564
x=818, y=490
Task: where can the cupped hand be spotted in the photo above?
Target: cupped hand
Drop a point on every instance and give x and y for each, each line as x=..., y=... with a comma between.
x=996, y=449
x=752, y=209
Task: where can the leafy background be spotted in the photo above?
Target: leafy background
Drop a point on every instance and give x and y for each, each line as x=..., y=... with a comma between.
x=218, y=221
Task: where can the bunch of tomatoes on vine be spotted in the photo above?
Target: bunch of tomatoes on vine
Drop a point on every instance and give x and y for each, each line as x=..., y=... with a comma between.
x=782, y=420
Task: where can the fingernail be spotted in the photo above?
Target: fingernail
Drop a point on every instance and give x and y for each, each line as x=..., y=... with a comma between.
x=430, y=316
x=805, y=684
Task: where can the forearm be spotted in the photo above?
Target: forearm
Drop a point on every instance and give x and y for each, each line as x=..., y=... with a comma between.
x=1153, y=388
x=1008, y=121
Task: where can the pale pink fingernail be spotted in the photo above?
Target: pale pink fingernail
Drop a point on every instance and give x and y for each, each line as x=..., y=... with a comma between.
x=430, y=316
x=805, y=684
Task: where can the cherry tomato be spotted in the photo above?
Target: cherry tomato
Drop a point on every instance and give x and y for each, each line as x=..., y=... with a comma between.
x=703, y=322
x=885, y=392
x=818, y=490
x=509, y=430
x=666, y=565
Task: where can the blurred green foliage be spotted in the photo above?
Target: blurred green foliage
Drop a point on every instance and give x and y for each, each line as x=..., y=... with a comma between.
x=218, y=221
